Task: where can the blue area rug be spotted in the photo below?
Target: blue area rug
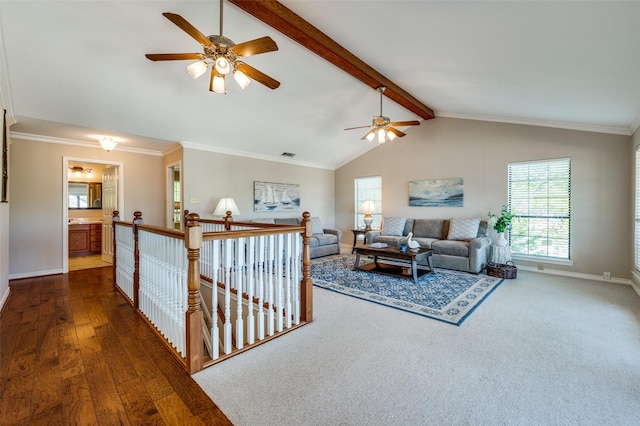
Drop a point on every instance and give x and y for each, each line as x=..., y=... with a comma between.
x=445, y=295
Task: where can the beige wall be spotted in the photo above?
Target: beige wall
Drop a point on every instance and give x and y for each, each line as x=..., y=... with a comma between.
x=479, y=152
x=209, y=176
x=36, y=182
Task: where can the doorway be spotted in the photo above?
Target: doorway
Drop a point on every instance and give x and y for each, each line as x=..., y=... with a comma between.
x=174, y=196
x=92, y=191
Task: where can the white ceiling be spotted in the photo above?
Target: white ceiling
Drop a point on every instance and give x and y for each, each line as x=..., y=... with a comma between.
x=76, y=70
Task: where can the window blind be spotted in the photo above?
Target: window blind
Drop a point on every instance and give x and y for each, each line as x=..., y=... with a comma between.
x=540, y=200
x=368, y=188
x=636, y=239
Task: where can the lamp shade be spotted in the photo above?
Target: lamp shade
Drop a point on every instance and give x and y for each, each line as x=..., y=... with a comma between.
x=367, y=207
x=196, y=69
x=226, y=205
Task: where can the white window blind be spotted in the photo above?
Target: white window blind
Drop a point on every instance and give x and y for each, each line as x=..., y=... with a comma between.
x=637, y=213
x=540, y=200
x=368, y=188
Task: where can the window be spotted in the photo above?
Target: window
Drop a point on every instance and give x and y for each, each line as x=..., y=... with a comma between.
x=540, y=199
x=637, y=213
x=368, y=188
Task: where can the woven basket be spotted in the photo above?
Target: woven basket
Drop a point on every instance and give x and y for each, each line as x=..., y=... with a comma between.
x=502, y=270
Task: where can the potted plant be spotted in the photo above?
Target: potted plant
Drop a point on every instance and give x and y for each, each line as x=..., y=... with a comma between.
x=501, y=223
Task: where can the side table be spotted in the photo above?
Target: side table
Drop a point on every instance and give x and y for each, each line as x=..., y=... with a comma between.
x=357, y=232
x=500, y=254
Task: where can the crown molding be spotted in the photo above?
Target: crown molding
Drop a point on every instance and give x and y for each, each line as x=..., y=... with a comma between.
x=635, y=124
x=96, y=145
x=218, y=150
x=173, y=148
x=540, y=123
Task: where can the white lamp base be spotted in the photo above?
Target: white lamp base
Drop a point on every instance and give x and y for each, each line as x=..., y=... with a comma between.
x=368, y=220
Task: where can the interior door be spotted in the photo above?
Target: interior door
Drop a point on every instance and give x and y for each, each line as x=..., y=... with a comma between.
x=109, y=205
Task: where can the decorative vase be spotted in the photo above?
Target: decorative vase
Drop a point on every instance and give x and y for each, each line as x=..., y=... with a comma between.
x=501, y=241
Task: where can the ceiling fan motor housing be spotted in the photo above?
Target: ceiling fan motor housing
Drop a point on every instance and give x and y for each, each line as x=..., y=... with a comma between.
x=380, y=121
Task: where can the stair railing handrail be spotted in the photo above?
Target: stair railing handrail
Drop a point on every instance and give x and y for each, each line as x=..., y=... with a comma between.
x=193, y=238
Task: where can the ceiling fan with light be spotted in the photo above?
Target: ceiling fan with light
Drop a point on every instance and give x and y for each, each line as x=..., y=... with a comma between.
x=222, y=54
x=382, y=126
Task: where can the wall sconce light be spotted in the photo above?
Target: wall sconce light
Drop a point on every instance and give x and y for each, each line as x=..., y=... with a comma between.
x=108, y=143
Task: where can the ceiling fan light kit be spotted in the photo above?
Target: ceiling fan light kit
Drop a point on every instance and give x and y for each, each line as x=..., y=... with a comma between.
x=382, y=127
x=222, y=54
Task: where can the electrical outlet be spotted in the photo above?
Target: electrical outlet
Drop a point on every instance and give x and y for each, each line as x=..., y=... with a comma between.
x=607, y=275
x=540, y=267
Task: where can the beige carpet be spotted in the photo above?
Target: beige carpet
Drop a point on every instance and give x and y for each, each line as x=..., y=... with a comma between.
x=541, y=350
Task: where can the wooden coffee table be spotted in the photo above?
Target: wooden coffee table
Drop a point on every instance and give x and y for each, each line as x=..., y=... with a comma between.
x=408, y=257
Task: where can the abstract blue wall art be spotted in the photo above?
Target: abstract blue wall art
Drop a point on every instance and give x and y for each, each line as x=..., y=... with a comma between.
x=436, y=193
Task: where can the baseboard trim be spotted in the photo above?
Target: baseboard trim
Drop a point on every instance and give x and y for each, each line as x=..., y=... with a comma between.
x=590, y=277
x=5, y=296
x=35, y=274
x=635, y=282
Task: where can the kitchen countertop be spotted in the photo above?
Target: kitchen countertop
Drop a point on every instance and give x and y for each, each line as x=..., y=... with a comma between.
x=83, y=221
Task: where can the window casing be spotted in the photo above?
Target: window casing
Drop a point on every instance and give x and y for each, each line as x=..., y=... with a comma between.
x=368, y=188
x=540, y=199
x=636, y=238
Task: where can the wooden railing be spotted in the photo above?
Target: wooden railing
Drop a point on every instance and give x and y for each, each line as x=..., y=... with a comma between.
x=213, y=294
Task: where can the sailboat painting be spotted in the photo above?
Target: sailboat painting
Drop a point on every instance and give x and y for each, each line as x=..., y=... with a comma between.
x=275, y=197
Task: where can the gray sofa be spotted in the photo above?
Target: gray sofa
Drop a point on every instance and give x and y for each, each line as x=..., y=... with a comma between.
x=451, y=250
x=323, y=242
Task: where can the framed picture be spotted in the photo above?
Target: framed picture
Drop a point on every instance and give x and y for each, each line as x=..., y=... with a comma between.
x=5, y=154
x=436, y=193
x=275, y=197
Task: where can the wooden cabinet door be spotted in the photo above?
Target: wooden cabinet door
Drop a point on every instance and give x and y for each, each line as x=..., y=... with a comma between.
x=79, y=239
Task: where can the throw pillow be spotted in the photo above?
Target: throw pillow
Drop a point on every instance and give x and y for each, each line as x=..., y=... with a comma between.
x=264, y=221
x=463, y=229
x=316, y=226
x=393, y=226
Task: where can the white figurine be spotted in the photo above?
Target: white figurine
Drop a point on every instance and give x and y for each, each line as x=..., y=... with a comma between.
x=410, y=243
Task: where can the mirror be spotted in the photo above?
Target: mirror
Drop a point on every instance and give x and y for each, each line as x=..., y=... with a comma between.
x=85, y=195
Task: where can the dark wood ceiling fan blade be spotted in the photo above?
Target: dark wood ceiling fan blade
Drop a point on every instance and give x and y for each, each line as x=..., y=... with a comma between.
x=258, y=76
x=396, y=132
x=405, y=123
x=173, y=56
x=255, y=47
x=359, y=127
x=188, y=28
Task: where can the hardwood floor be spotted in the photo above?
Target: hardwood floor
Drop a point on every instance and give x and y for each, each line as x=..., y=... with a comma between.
x=73, y=351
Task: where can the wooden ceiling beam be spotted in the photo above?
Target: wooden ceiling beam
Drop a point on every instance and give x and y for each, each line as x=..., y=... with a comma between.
x=293, y=26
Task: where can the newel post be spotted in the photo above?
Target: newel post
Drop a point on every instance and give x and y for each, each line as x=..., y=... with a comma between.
x=137, y=220
x=194, y=316
x=306, y=285
x=115, y=217
x=227, y=221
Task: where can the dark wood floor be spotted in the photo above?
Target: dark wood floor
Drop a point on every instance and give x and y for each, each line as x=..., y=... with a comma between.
x=73, y=351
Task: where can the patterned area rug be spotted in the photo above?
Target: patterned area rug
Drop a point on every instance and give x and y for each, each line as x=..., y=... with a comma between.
x=445, y=295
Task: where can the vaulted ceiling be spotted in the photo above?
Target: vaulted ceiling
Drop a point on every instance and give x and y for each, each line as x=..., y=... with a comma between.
x=74, y=70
